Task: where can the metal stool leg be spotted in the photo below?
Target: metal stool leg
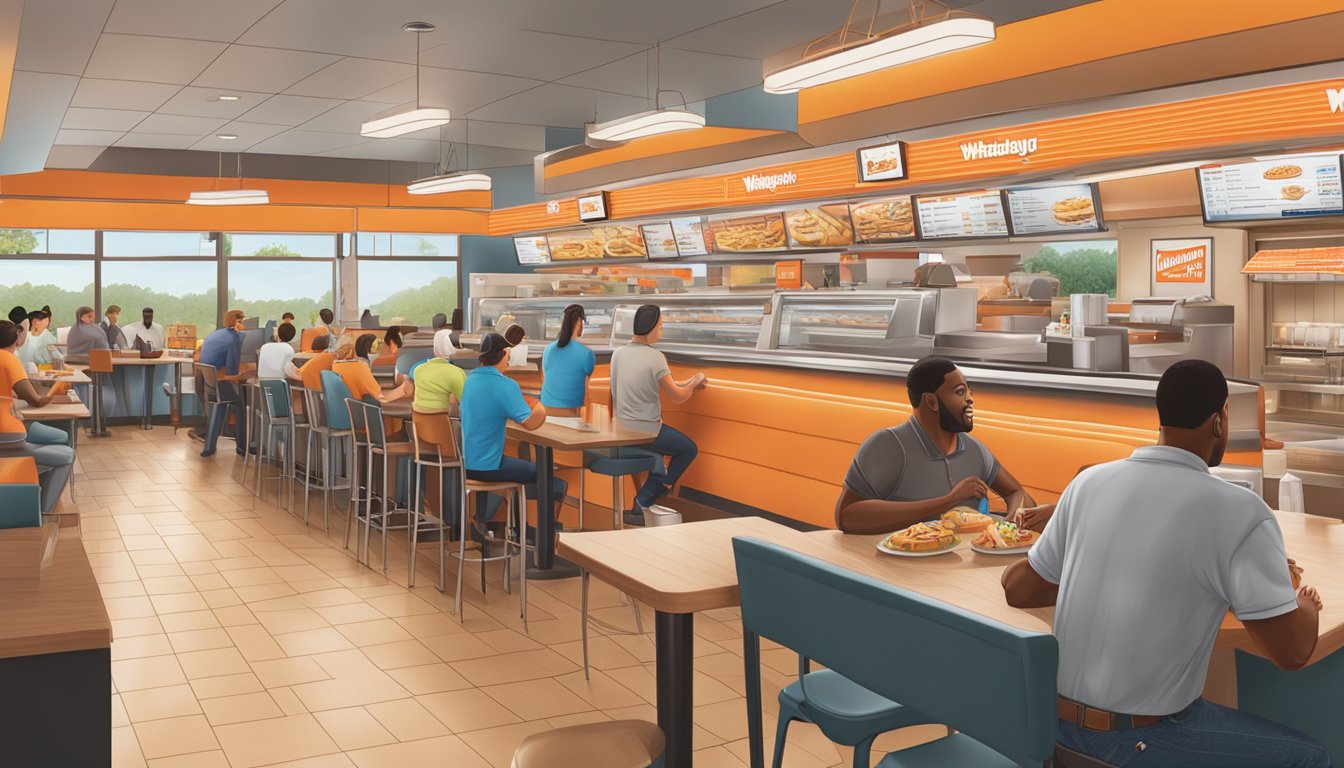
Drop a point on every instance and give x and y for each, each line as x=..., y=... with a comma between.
x=463, y=497
x=583, y=612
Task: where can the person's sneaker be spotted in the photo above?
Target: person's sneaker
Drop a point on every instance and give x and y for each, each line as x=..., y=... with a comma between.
x=207, y=454
x=634, y=516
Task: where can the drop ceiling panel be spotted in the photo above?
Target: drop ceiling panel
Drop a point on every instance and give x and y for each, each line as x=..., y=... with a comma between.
x=249, y=135
x=345, y=119
x=391, y=149
x=194, y=19
x=58, y=35
x=521, y=52
x=176, y=124
x=493, y=157
x=370, y=30
x=290, y=110
x=697, y=75
x=37, y=103
x=193, y=101
x=71, y=157
x=560, y=105
x=306, y=143
x=157, y=140
x=267, y=70
x=509, y=135
x=458, y=90
x=766, y=32
x=151, y=59
x=121, y=94
x=84, y=119
x=642, y=22
x=88, y=138
x=352, y=79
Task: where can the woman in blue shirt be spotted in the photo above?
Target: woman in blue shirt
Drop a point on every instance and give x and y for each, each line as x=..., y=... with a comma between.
x=566, y=365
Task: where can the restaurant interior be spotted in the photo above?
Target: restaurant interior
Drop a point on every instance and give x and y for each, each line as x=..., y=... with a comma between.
x=279, y=212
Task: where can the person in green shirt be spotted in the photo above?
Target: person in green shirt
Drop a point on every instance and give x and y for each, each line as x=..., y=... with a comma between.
x=437, y=381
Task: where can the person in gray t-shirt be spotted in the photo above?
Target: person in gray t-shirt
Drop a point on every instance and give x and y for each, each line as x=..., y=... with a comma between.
x=926, y=466
x=639, y=379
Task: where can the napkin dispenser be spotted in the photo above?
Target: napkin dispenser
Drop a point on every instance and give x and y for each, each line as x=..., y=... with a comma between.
x=26, y=553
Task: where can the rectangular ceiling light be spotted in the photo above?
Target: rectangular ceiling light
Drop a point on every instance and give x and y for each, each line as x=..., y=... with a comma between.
x=404, y=122
x=646, y=124
x=230, y=197
x=452, y=182
x=893, y=49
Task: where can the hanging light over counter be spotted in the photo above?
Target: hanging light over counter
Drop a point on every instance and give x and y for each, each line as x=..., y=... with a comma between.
x=410, y=117
x=646, y=124
x=450, y=182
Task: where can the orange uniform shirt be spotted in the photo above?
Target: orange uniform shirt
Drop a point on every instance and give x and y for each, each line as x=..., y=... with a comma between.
x=311, y=371
x=358, y=377
x=11, y=373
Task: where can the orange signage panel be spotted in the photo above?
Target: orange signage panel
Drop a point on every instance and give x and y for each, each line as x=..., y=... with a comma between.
x=789, y=274
x=1182, y=265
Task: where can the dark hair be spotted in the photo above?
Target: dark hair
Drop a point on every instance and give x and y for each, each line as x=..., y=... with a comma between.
x=573, y=315
x=493, y=349
x=926, y=376
x=439, y=320
x=287, y=316
x=9, y=334
x=456, y=323
x=321, y=342
x=363, y=344
x=38, y=314
x=393, y=336
x=18, y=315
x=326, y=315
x=646, y=319
x=1189, y=393
x=285, y=332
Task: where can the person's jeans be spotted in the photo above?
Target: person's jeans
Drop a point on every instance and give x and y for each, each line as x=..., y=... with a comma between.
x=681, y=450
x=513, y=470
x=45, y=434
x=228, y=393
x=1204, y=735
x=54, y=465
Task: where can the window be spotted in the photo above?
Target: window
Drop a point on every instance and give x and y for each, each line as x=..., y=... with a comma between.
x=178, y=291
x=64, y=285
x=268, y=289
x=138, y=245
x=1085, y=266
x=389, y=244
x=64, y=241
x=407, y=291
x=280, y=246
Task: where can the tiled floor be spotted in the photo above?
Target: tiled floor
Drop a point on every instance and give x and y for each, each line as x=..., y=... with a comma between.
x=244, y=638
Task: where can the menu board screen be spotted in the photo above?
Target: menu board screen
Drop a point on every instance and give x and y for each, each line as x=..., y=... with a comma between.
x=969, y=214
x=531, y=250
x=593, y=207
x=883, y=220
x=596, y=243
x=747, y=234
x=884, y=162
x=1048, y=210
x=690, y=234
x=659, y=240
x=825, y=226
x=1276, y=188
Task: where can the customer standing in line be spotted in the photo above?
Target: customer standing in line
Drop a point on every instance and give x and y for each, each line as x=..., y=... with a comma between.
x=639, y=378
x=566, y=365
x=1143, y=557
x=223, y=349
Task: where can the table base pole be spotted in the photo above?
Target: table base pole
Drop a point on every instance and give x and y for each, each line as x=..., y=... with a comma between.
x=560, y=569
x=675, y=675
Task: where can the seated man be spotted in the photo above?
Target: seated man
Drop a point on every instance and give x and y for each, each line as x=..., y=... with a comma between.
x=930, y=464
x=223, y=349
x=275, y=359
x=146, y=331
x=55, y=460
x=1143, y=558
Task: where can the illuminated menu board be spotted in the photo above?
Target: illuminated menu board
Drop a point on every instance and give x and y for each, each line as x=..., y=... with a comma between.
x=531, y=250
x=968, y=214
x=1049, y=210
x=659, y=240
x=1287, y=187
x=690, y=234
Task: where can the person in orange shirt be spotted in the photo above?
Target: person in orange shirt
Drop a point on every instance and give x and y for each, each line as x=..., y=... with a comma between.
x=310, y=373
x=54, y=462
x=391, y=346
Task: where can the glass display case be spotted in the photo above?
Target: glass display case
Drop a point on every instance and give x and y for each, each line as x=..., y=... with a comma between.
x=723, y=321
x=886, y=323
x=541, y=317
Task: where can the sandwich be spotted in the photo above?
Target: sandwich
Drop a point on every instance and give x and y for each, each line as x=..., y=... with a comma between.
x=922, y=537
x=966, y=520
x=1073, y=211
x=816, y=227
x=1006, y=535
x=1293, y=192
x=884, y=220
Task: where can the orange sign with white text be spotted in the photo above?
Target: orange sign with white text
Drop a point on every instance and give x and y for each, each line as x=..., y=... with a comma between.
x=1182, y=265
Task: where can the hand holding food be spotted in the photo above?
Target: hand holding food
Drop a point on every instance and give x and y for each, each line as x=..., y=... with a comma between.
x=969, y=488
x=1034, y=518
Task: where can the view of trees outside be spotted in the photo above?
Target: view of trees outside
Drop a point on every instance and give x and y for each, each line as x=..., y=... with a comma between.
x=179, y=291
x=407, y=291
x=1083, y=267
x=63, y=285
x=268, y=289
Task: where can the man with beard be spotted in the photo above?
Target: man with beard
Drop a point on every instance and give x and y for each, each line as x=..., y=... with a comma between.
x=930, y=464
x=147, y=330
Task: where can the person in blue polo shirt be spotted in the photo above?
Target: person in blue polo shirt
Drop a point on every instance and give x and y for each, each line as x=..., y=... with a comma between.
x=223, y=349
x=567, y=364
x=489, y=401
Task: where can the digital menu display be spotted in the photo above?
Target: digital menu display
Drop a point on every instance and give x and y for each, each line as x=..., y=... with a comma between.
x=747, y=234
x=825, y=226
x=593, y=207
x=659, y=240
x=968, y=214
x=596, y=243
x=883, y=220
x=883, y=162
x=1276, y=188
x=531, y=250
x=690, y=234
x=1049, y=210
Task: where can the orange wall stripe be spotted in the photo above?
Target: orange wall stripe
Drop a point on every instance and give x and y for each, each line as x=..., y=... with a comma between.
x=413, y=220
x=656, y=146
x=77, y=214
x=1090, y=32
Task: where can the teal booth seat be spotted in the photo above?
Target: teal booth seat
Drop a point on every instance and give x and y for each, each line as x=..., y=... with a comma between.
x=993, y=683
x=1310, y=699
x=20, y=505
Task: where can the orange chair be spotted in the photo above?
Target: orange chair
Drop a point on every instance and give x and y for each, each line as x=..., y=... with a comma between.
x=100, y=367
x=306, y=338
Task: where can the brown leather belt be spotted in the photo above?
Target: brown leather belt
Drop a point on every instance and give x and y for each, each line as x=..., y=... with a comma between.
x=1094, y=719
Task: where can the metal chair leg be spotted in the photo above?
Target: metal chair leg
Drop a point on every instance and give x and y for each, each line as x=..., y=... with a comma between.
x=583, y=619
x=583, y=473
x=522, y=550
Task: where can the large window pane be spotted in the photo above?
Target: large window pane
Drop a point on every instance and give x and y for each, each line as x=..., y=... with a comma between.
x=70, y=241
x=388, y=244
x=280, y=245
x=178, y=291
x=136, y=245
x=1086, y=266
x=59, y=241
x=34, y=283
x=407, y=291
x=268, y=289
x=23, y=241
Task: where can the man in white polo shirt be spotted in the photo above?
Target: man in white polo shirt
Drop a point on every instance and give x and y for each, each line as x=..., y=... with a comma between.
x=1143, y=557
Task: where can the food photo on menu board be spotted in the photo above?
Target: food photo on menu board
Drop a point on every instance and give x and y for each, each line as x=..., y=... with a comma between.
x=596, y=243
x=1046, y=210
x=883, y=162
x=531, y=250
x=749, y=233
x=966, y=214
x=690, y=234
x=883, y=220
x=659, y=240
x=824, y=226
x=593, y=207
x=1273, y=188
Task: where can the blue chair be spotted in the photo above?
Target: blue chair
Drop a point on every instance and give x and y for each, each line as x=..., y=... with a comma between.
x=895, y=643
x=328, y=429
x=20, y=493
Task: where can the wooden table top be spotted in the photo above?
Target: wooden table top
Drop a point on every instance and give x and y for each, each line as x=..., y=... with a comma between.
x=553, y=435
x=689, y=567
x=76, y=377
x=146, y=361
x=63, y=612
x=56, y=411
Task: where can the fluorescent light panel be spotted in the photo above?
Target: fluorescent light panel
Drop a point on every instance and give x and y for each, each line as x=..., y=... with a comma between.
x=230, y=197
x=646, y=124
x=900, y=48
x=401, y=123
x=452, y=182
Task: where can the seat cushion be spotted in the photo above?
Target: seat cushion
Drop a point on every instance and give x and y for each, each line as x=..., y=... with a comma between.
x=612, y=744
x=838, y=694
x=959, y=750
x=622, y=461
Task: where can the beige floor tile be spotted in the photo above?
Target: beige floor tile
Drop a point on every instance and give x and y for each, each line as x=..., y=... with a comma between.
x=497, y=745
x=169, y=585
x=467, y=710
x=537, y=699
x=508, y=641
x=349, y=613
x=213, y=663
x=186, y=622
x=160, y=703
x=425, y=626
x=404, y=604
x=374, y=632
x=717, y=757
x=599, y=690
x=243, y=708
x=255, y=643
x=158, y=570
x=352, y=663
x=300, y=620
x=235, y=616
x=445, y=750
x=128, y=607
x=226, y=685
x=124, y=628
x=288, y=671
x=206, y=582
x=263, y=592
x=153, y=672
x=175, y=736
x=457, y=647
x=126, y=748
x=148, y=541
x=287, y=701
x=119, y=716
x=192, y=601
x=349, y=692
x=214, y=759
x=313, y=641
x=222, y=598
x=272, y=741
x=329, y=597
x=138, y=647
x=338, y=760
x=514, y=667
x=199, y=640
x=407, y=720
x=123, y=589
x=354, y=728
x=408, y=653
x=252, y=577
x=429, y=678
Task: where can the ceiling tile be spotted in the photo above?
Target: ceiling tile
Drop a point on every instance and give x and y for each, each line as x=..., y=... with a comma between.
x=121, y=94
x=119, y=120
x=249, y=135
x=696, y=75
x=157, y=140
x=37, y=103
x=345, y=119
x=494, y=157
x=88, y=138
x=194, y=19
x=529, y=137
x=367, y=29
x=150, y=59
x=204, y=102
x=290, y=110
x=58, y=35
x=352, y=79
x=266, y=70
x=391, y=149
x=72, y=157
x=618, y=19
x=463, y=91
x=305, y=143
x=183, y=126
x=766, y=32
x=521, y=52
x=561, y=106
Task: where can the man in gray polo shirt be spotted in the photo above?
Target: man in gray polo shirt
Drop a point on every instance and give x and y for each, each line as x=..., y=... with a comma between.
x=919, y=470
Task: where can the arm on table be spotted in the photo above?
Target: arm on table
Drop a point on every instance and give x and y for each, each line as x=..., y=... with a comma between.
x=25, y=390
x=536, y=419
x=855, y=514
x=1290, y=639
x=1023, y=587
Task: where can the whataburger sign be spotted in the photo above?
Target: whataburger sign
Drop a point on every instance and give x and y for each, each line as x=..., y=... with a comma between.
x=1181, y=265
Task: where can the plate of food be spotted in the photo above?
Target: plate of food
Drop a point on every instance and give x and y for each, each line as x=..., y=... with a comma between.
x=966, y=520
x=1004, y=538
x=920, y=540
x=1280, y=172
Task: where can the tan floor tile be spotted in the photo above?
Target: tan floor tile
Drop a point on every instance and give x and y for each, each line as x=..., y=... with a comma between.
x=603, y=653
x=226, y=685
x=497, y=745
x=401, y=605
x=160, y=703
x=252, y=577
x=599, y=690
x=128, y=607
x=264, y=592
x=119, y=716
x=467, y=710
x=255, y=643
x=354, y=728
x=123, y=589
x=508, y=641
x=153, y=672
x=243, y=708
x=409, y=653
x=164, y=604
x=271, y=741
x=328, y=597
x=158, y=570
x=374, y=632
x=287, y=701
x=407, y=720
x=537, y=699
x=313, y=641
x=425, y=626
x=429, y=678
x=280, y=622
x=148, y=541
x=717, y=757
x=235, y=616
x=349, y=692
x=169, y=585
x=286, y=603
x=124, y=628
x=175, y=736
x=188, y=621
x=199, y=640
x=349, y=613
x=126, y=748
x=138, y=647
x=213, y=759
x=445, y=750
x=457, y=647
x=191, y=548
x=514, y=667
x=221, y=661
x=290, y=671
x=338, y=760
x=222, y=598
x=202, y=568
x=206, y=582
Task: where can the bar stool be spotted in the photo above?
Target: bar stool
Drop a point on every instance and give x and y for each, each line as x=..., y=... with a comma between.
x=250, y=391
x=367, y=419
x=514, y=534
x=432, y=439
x=610, y=744
x=276, y=422
x=99, y=368
x=210, y=395
x=327, y=431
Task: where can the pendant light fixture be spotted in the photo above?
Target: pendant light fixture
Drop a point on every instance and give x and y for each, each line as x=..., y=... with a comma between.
x=230, y=196
x=652, y=123
x=835, y=56
x=407, y=118
x=443, y=181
